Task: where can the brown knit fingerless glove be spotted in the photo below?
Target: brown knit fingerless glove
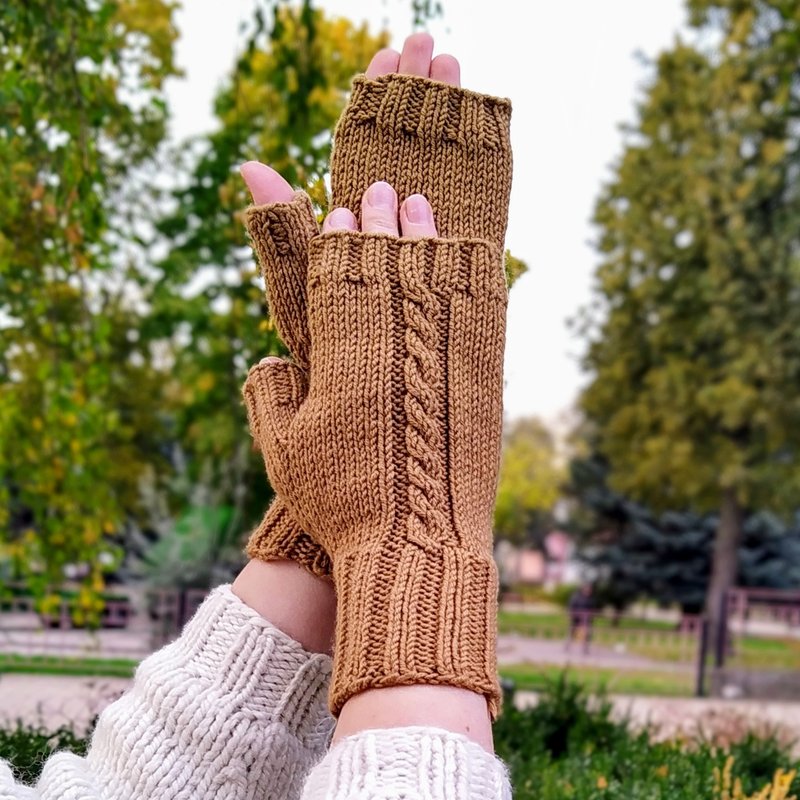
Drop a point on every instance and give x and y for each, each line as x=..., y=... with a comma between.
x=389, y=456
x=451, y=145
x=280, y=233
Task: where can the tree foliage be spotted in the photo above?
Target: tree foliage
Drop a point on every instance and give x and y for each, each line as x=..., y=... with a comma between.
x=82, y=98
x=530, y=482
x=278, y=106
x=695, y=354
x=665, y=556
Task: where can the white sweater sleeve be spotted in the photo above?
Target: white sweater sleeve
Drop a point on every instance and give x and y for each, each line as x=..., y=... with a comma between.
x=414, y=763
x=234, y=708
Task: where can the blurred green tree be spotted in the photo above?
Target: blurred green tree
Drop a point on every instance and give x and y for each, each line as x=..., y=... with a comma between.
x=666, y=556
x=694, y=344
x=531, y=477
x=82, y=101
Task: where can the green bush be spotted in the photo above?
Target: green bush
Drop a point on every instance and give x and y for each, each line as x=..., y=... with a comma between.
x=570, y=746
x=26, y=748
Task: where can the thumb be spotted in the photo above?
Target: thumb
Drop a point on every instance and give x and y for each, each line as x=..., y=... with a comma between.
x=273, y=393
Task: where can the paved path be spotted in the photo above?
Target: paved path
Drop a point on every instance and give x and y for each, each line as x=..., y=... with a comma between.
x=53, y=700
x=516, y=649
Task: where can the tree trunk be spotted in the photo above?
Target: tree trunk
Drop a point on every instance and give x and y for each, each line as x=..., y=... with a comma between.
x=724, y=569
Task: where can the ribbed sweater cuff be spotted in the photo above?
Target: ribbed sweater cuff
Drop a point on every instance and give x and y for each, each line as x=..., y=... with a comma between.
x=233, y=701
x=414, y=763
x=409, y=615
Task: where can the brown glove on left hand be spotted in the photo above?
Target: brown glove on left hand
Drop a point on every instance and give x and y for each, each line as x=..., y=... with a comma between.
x=280, y=233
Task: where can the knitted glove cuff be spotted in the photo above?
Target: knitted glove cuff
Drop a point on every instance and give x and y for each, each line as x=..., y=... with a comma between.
x=421, y=136
x=411, y=615
x=442, y=266
x=415, y=106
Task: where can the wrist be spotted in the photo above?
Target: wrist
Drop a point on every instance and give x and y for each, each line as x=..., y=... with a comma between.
x=296, y=602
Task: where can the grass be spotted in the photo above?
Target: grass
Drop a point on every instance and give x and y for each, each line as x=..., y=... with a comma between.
x=666, y=683
x=56, y=665
x=555, y=624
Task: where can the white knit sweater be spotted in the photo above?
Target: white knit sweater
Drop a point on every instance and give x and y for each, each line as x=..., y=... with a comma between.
x=236, y=709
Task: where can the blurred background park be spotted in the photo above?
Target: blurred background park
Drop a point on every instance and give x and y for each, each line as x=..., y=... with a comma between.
x=648, y=512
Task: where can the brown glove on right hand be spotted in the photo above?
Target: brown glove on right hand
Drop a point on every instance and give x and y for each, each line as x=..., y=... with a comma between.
x=388, y=457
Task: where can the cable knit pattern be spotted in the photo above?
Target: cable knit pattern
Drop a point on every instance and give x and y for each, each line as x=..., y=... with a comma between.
x=233, y=708
x=390, y=461
x=408, y=764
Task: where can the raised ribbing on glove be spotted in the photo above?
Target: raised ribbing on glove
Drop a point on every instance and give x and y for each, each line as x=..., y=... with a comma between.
x=447, y=143
x=389, y=459
x=280, y=233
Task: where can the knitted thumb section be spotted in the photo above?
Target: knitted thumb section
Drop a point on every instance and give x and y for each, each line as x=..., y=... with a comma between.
x=280, y=233
x=409, y=763
x=390, y=461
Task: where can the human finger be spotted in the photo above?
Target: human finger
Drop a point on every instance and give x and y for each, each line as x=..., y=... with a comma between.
x=446, y=69
x=340, y=219
x=379, y=209
x=265, y=184
x=416, y=56
x=383, y=62
x=416, y=217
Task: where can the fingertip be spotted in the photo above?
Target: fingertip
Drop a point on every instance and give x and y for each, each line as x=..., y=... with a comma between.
x=446, y=69
x=416, y=56
x=379, y=209
x=416, y=217
x=266, y=185
x=340, y=219
x=384, y=62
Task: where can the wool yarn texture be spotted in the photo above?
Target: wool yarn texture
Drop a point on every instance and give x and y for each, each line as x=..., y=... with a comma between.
x=448, y=143
x=280, y=233
x=386, y=450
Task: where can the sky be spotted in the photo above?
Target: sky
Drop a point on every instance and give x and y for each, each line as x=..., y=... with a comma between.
x=572, y=73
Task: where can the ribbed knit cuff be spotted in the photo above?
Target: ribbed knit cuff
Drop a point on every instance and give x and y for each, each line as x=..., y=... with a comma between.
x=414, y=763
x=278, y=536
x=232, y=702
x=418, y=106
x=408, y=615
x=447, y=143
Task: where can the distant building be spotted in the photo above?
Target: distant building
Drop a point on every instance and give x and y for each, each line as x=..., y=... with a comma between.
x=553, y=566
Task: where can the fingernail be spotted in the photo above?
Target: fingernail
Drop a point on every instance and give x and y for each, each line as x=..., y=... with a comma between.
x=418, y=209
x=339, y=218
x=381, y=195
